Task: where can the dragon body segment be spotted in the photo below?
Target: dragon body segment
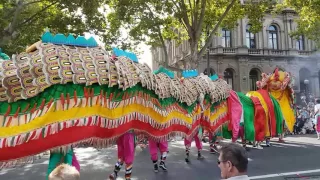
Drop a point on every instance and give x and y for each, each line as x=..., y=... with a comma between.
x=60, y=95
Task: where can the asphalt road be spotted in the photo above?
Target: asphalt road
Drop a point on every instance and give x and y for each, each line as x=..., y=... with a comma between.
x=281, y=161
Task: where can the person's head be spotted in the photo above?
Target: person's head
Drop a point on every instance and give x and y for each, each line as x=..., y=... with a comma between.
x=233, y=160
x=64, y=172
x=318, y=101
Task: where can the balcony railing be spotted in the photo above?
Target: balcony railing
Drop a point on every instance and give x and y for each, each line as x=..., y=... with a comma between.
x=257, y=52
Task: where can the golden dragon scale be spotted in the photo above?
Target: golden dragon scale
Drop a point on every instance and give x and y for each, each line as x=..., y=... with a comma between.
x=57, y=96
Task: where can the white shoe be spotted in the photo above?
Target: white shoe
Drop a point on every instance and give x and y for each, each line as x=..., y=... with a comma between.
x=259, y=147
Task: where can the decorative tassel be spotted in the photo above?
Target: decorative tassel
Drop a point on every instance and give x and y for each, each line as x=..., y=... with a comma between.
x=26, y=108
x=62, y=101
x=9, y=121
x=34, y=108
x=8, y=111
x=91, y=97
x=68, y=100
x=17, y=113
x=75, y=98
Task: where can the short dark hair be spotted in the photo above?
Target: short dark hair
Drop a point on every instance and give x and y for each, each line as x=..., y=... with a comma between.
x=236, y=154
x=318, y=101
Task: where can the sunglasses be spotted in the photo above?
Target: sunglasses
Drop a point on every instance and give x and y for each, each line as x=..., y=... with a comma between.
x=219, y=162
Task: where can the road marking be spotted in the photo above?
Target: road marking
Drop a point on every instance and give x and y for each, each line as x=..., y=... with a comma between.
x=284, y=174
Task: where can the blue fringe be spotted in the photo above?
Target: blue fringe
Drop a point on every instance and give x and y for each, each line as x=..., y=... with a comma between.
x=61, y=39
x=118, y=52
x=164, y=70
x=189, y=73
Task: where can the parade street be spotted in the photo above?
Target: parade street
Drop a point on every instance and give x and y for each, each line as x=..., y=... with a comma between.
x=298, y=158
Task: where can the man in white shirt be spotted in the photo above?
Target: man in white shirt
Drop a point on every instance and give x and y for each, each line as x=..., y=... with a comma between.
x=233, y=162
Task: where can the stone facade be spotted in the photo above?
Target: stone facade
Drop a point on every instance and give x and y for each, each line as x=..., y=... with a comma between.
x=240, y=56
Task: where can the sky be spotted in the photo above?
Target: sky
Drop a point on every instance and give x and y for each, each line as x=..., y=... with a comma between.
x=145, y=57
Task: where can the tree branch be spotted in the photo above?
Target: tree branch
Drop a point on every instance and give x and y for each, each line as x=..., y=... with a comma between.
x=201, y=18
x=185, y=18
x=27, y=4
x=192, y=14
x=196, y=8
x=14, y=22
x=209, y=39
x=36, y=14
x=164, y=47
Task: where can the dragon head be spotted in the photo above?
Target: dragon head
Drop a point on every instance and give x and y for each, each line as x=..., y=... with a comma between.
x=277, y=80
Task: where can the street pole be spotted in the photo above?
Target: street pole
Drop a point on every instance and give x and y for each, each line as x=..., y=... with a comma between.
x=208, y=58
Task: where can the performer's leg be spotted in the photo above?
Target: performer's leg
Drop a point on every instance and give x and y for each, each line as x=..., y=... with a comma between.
x=119, y=163
x=187, y=144
x=282, y=135
x=198, y=145
x=129, y=154
x=268, y=142
x=163, y=146
x=153, y=148
x=318, y=127
x=259, y=145
x=54, y=161
x=213, y=141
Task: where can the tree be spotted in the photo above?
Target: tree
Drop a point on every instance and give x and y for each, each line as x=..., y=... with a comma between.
x=308, y=20
x=155, y=21
x=22, y=22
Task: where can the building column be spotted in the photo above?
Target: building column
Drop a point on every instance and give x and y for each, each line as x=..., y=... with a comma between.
x=288, y=33
x=243, y=75
x=282, y=40
x=266, y=38
x=315, y=85
x=243, y=32
x=239, y=39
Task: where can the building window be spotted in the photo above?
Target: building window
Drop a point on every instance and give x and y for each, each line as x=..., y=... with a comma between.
x=228, y=76
x=254, y=76
x=273, y=37
x=300, y=43
x=250, y=38
x=226, y=38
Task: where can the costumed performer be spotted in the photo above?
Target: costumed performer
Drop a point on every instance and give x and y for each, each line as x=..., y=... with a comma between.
x=214, y=141
x=163, y=148
x=198, y=141
x=317, y=117
x=126, y=148
x=57, y=158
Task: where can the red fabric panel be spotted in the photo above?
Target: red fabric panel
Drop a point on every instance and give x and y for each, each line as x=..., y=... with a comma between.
x=272, y=117
x=76, y=134
x=259, y=119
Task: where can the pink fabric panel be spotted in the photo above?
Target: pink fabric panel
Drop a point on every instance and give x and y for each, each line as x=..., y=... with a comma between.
x=236, y=113
x=153, y=148
x=126, y=148
x=187, y=143
x=75, y=162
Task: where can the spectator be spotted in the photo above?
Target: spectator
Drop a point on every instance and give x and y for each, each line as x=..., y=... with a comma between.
x=64, y=172
x=233, y=162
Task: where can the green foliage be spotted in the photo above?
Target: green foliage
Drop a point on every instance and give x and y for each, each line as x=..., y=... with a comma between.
x=22, y=22
x=309, y=18
x=154, y=21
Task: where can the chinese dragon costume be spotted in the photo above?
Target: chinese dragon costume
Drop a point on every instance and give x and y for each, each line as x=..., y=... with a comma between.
x=265, y=112
x=64, y=91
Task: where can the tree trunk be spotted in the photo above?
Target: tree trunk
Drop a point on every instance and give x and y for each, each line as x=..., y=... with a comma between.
x=194, y=54
x=8, y=32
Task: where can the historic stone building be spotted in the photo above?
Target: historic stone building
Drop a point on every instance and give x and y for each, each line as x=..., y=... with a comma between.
x=241, y=56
